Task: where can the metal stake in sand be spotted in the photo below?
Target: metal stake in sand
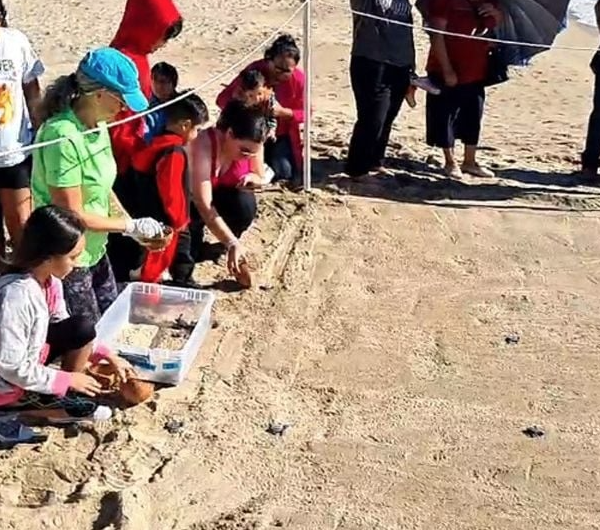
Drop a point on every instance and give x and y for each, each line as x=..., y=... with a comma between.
x=306, y=176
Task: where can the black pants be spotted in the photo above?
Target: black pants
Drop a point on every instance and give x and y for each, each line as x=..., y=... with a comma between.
x=455, y=114
x=379, y=90
x=67, y=335
x=591, y=154
x=280, y=157
x=236, y=207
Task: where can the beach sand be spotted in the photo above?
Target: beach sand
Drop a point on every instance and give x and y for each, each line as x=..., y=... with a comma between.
x=407, y=328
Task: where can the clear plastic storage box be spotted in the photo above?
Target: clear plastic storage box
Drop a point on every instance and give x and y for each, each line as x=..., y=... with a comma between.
x=158, y=305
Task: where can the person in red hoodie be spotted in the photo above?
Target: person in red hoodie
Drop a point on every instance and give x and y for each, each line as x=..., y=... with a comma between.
x=147, y=25
x=161, y=176
x=281, y=71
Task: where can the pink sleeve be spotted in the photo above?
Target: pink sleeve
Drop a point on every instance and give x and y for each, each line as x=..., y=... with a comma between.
x=100, y=352
x=226, y=94
x=61, y=383
x=298, y=108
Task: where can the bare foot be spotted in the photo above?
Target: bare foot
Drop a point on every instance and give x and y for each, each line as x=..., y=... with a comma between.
x=453, y=171
x=476, y=170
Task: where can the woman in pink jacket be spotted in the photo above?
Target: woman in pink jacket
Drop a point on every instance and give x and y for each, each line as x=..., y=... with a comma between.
x=280, y=69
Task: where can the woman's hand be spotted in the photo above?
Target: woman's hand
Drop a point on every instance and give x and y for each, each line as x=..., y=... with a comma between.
x=490, y=10
x=282, y=112
x=122, y=368
x=450, y=78
x=235, y=257
x=251, y=182
x=85, y=384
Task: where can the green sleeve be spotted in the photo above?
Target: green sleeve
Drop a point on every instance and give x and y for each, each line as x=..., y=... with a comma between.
x=62, y=164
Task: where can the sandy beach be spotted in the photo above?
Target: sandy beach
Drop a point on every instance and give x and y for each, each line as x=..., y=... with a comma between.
x=407, y=328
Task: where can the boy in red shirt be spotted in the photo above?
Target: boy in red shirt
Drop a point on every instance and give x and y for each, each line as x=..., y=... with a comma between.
x=460, y=66
x=162, y=183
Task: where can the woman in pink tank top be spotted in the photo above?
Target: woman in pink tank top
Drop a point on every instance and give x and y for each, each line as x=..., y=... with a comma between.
x=226, y=167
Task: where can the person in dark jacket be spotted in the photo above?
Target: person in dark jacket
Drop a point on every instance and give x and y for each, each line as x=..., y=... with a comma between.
x=590, y=158
x=383, y=57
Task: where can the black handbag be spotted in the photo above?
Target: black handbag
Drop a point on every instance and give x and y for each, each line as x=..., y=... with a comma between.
x=497, y=68
x=497, y=71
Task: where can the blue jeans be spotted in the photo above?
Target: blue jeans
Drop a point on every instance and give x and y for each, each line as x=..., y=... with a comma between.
x=279, y=155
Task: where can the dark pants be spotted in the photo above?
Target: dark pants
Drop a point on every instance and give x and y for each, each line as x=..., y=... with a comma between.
x=379, y=90
x=183, y=264
x=235, y=206
x=455, y=114
x=279, y=155
x=68, y=335
x=89, y=291
x=590, y=156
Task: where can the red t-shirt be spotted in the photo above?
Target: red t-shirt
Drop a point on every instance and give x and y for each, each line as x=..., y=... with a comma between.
x=468, y=57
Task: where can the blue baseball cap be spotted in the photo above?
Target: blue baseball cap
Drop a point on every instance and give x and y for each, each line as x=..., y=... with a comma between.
x=116, y=72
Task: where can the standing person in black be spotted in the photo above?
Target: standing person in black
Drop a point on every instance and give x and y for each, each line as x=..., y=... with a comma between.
x=383, y=57
x=591, y=155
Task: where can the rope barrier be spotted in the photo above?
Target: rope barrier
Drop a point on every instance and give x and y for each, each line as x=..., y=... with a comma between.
x=234, y=67
x=257, y=48
x=464, y=36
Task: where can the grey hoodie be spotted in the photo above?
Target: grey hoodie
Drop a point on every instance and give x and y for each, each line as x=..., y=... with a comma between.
x=381, y=41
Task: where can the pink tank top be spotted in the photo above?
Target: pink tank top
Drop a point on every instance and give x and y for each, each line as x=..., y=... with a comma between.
x=234, y=174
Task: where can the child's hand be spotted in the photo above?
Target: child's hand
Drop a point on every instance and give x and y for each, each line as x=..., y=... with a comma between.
x=123, y=369
x=85, y=384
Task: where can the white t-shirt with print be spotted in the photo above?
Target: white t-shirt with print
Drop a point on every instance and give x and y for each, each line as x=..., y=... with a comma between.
x=19, y=65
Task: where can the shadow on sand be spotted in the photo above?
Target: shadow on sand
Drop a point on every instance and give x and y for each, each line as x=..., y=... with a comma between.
x=413, y=181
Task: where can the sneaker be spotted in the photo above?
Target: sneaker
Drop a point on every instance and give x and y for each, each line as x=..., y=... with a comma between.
x=478, y=171
x=100, y=413
x=424, y=83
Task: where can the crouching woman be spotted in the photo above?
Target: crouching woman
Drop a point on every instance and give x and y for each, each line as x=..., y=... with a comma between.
x=36, y=330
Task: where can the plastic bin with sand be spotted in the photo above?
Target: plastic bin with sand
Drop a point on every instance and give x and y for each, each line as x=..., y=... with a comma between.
x=159, y=329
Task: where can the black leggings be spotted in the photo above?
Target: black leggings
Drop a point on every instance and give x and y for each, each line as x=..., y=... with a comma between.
x=72, y=333
x=235, y=206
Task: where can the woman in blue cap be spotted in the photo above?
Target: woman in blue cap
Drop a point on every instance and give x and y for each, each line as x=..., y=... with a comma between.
x=78, y=172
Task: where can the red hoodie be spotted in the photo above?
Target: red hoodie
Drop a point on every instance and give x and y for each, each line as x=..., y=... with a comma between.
x=172, y=194
x=144, y=25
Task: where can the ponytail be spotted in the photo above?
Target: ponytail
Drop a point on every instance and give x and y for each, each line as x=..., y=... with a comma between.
x=59, y=96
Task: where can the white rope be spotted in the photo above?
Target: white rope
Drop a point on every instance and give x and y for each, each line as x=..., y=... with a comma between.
x=225, y=72
x=471, y=37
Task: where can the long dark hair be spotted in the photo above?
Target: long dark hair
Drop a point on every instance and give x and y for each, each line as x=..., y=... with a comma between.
x=245, y=123
x=3, y=15
x=50, y=231
x=284, y=45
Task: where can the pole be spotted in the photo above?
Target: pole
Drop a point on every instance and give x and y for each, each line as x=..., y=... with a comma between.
x=306, y=176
